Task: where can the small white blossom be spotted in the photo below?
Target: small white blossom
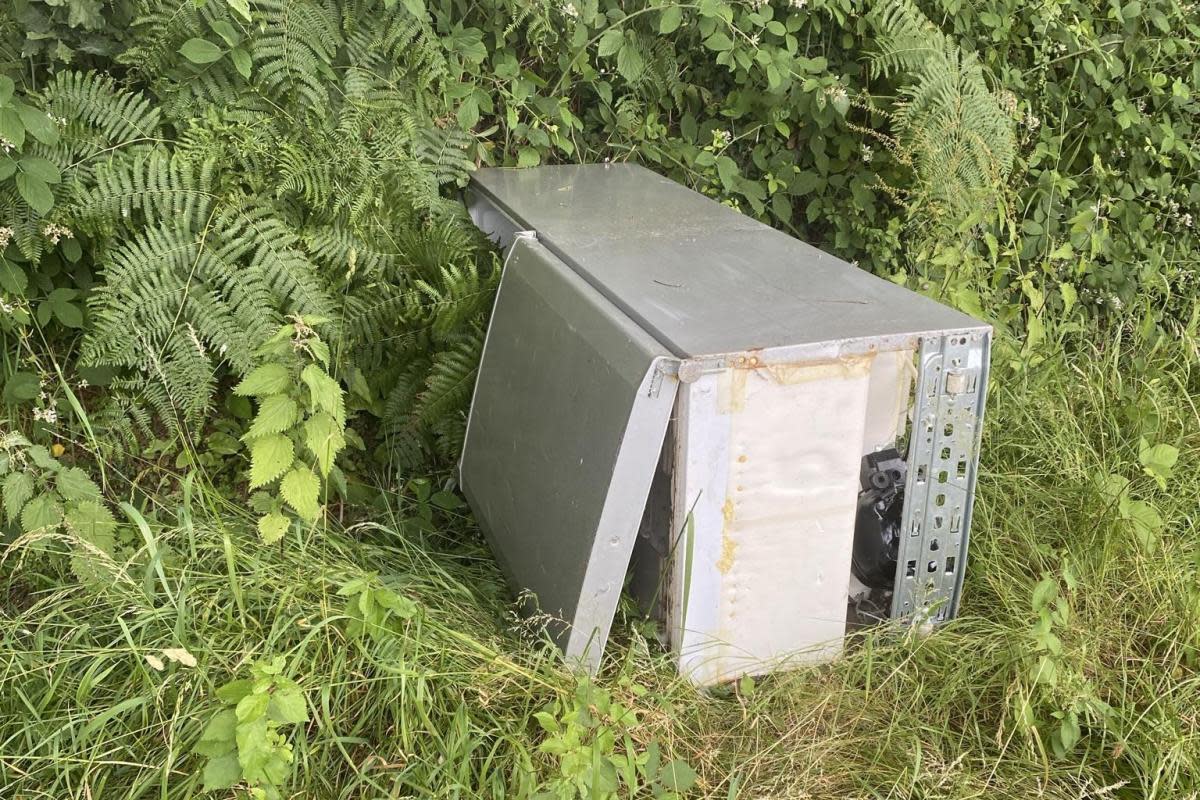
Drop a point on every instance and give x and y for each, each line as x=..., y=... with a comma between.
x=1032, y=122
x=6, y=235
x=569, y=10
x=6, y=145
x=867, y=154
x=722, y=138
x=798, y=4
x=55, y=232
x=757, y=5
x=7, y=308
x=754, y=40
x=47, y=415
x=83, y=383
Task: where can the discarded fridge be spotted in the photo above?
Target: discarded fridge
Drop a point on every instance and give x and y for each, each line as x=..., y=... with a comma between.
x=764, y=443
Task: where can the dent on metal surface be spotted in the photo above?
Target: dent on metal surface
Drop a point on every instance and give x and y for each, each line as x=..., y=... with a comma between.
x=565, y=431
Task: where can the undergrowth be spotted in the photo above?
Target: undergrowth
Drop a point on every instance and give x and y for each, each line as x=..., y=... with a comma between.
x=451, y=696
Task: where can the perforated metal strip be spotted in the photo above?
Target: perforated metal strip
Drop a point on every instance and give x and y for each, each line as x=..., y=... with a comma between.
x=942, y=464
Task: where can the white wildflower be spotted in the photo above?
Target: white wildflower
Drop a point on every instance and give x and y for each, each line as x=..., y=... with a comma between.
x=867, y=154
x=798, y=4
x=722, y=138
x=569, y=10
x=6, y=145
x=1032, y=122
x=6, y=235
x=55, y=232
x=754, y=40
x=83, y=383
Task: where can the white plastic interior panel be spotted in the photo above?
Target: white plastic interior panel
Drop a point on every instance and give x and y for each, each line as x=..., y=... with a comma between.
x=766, y=483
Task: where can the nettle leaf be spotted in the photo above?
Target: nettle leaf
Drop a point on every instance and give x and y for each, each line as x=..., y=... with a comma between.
x=270, y=457
x=272, y=527
x=276, y=413
x=1158, y=460
x=40, y=513
x=233, y=692
x=300, y=489
x=222, y=772
x=610, y=42
x=200, y=51
x=18, y=490
x=287, y=705
x=265, y=380
x=94, y=523
x=325, y=438
x=76, y=485
x=630, y=62
x=326, y=392
x=218, y=736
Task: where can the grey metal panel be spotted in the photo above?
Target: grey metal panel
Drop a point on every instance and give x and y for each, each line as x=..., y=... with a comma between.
x=700, y=277
x=943, y=461
x=570, y=411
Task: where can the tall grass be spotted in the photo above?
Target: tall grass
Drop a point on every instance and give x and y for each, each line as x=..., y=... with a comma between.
x=444, y=708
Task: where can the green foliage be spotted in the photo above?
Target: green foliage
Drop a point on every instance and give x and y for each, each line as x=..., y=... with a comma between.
x=242, y=743
x=301, y=410
x=45, y=499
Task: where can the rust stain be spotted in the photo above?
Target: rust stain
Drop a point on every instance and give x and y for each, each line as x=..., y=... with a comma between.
x=728, y=545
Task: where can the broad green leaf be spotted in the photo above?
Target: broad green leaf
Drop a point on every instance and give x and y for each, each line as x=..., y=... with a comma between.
x=221, y=728
x=12, y=278
x=719, y=41
x=272, y=527
x=610, y=42
x=270, y=457
x=326, y=393
x=222, y=772
x=36, y=192
x=8, y=168
x=398, y=604
x=528, y=157
x=241, y=7
x=40, y=168
x=21, y=386
x=200, y=51
x=677, y=775
x=264, y=380
x=94, y=523
x=233, y=692
x=75, y=485
x=300, y=489
x=630, y=62
x=288, y=706
x=225, y=29
x=11, y=127
x=38, y=125
x=241, y=61
x=7, y=87
x=276, y=413
x=18, y=490
x=672, y=17
x=252, y=707
x=1158, y=460
x=324, y=438
x=40, y=513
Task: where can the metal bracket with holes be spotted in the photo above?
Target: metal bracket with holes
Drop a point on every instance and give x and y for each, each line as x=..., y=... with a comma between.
x=943, y=461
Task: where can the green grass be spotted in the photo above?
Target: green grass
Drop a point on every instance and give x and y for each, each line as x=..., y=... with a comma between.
x=445, y=706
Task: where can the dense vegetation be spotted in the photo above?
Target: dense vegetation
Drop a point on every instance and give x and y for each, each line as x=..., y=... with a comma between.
x=241, y=307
